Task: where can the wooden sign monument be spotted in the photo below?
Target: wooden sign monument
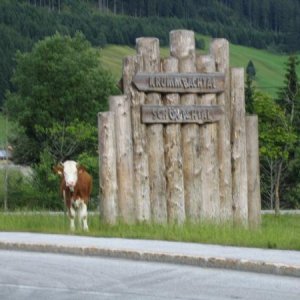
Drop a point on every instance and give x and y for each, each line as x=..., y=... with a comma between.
x=177, y=145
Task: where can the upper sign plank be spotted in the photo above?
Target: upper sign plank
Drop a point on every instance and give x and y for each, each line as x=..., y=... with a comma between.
x=180, y=82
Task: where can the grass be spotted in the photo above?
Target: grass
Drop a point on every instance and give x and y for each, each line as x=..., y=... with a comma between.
x=112, y=58
x=270, y=67
x=276, y=232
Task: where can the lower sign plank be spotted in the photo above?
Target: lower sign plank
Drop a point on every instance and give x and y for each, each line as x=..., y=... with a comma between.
x=170, y=114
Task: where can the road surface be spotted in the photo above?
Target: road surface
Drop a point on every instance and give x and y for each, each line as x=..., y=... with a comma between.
x=34, y=275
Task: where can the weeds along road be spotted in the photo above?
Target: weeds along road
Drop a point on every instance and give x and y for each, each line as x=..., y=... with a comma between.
x=33, y=275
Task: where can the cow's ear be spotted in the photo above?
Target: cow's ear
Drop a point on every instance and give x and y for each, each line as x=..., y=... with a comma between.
x=80, y=168
x=58, y=169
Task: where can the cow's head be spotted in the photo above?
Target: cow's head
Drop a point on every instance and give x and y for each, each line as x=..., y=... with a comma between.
x=69, y=170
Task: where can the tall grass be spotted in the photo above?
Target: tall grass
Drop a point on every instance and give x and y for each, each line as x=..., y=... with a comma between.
x=279, y=232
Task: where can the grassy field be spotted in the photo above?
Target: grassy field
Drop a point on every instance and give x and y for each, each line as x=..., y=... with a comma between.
x=270, y=67
x=276, y=232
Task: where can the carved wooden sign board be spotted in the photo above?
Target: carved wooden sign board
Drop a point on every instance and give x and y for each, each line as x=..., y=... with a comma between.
x=153, y=114
x=180, y=82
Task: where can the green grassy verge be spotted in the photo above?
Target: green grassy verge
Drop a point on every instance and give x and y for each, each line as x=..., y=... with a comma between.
x=276, y=232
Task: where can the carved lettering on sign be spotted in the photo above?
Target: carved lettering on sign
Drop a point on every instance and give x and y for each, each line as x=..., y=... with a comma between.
x=180, y=82
x=181, y=113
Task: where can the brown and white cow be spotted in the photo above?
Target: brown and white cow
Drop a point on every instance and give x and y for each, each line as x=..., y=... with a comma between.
x=76, y=188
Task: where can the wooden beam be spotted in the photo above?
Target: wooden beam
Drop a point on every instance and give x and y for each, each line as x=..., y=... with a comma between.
x=182, y=47
x=107, y=167
x=148, y=49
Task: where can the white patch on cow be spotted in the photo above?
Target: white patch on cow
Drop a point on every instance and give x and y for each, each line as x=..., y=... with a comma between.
x=70, y=173
x=72, y=214
x=77, y=203
x=78, y=209
x=82, y=216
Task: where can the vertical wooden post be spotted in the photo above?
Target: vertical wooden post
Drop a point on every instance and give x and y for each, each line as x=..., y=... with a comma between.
x=220, y=51
x=148, y=48
x=131, y=65
x=173, y=157
x=121, y=107
x=254, y=197
x=210, y=205
x=107, y=167
x=239, y=154
x=182, y=47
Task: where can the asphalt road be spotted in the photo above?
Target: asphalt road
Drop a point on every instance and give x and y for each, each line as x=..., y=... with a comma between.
x=33, y=275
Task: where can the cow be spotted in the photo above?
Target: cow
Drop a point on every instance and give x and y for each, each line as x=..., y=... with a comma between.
x=76, y=188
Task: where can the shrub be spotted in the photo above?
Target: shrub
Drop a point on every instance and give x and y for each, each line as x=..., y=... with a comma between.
x=20, y=191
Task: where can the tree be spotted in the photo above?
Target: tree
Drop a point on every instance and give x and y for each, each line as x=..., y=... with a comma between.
x=249, y=88
x=59, y=82
x=249, y=94
x=276, y=139
x=289, y=100
x=289, y=93
x=64, y=141
x=250, y=70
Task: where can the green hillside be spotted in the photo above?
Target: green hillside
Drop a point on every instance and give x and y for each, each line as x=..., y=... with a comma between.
x=270, y=68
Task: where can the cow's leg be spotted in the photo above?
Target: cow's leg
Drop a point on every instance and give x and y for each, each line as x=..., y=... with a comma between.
x=82, y=213
x=72, y=215
x=71, y=211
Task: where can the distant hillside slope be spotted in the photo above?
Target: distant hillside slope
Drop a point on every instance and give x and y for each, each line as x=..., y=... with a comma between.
x=268, y=24
x=270, y=68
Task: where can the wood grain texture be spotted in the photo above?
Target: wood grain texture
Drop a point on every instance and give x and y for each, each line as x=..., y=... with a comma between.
x=239, y=154
x=124, y=154
x=254, y=196
x=182, y=47
x=107, y=168
x=141, y=187
x=148, y=49
x=219, y=49
x=210, y=207
x=173, y=156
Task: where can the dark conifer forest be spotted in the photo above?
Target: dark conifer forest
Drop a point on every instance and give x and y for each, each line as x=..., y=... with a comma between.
x=264, y=24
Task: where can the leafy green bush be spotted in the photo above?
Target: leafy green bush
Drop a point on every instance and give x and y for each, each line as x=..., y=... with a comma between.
x=20, y=192
x=46, y=183
x=60, y=87
x=39, y=190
